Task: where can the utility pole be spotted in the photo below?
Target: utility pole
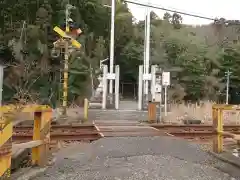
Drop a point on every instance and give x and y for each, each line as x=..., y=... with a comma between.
x=144, y=58
x=148, y=44
x=92, y=82
x=112, y=49
x=228, y=73
x=146, y=52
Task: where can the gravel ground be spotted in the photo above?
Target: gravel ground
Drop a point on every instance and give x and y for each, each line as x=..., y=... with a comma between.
x=135, y=158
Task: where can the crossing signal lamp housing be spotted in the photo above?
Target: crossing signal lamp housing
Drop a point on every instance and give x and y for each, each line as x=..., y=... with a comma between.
x=68, y=36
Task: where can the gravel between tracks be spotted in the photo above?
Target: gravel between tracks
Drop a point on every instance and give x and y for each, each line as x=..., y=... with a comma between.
x=136, y=158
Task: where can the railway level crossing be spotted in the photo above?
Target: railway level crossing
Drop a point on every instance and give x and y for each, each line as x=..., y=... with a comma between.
x=42, y=115
x=42, y=125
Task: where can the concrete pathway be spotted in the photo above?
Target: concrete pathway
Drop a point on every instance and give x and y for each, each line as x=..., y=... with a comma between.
x=138, y=158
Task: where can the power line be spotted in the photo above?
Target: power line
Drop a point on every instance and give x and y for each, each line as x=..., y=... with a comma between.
x=170, y=10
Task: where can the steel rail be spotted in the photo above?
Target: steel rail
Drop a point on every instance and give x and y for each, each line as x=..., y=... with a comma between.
x=89, y=132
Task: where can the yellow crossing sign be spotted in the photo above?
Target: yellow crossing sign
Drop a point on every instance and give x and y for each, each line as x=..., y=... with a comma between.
x=65, y=35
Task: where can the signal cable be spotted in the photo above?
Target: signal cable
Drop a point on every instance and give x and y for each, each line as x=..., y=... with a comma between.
x=175, y=11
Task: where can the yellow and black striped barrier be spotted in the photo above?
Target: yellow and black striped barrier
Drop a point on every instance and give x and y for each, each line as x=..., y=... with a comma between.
x=41, y=129
x=217, y=115
x=41, y=136
x=6, y=129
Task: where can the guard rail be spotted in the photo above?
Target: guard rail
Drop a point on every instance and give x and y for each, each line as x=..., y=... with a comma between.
x=41, y=136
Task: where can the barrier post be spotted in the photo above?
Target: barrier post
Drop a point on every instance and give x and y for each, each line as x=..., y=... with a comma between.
x=218, y=126
x=6, y=130
x=152, y=111
x=86, y=106
x=41, y=131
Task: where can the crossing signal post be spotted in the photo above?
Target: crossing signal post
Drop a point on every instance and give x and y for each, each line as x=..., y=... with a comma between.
x=67, y=40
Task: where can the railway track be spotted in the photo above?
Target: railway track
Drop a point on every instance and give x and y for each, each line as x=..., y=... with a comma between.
x=59, y=133
x=200, y=133
x=191, y=127
x=77, y=132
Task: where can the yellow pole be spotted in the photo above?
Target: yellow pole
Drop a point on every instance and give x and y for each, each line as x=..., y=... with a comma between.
x=217, y=115
x=85, y=109
x=215, y=125
x=6, y=130
x=41, y=131
x=37, y=151
x=65, y=75
x=65, y=80
x=219, y=131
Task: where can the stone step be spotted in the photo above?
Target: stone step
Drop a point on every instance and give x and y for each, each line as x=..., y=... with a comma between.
x=95, y=105
x=130, y=115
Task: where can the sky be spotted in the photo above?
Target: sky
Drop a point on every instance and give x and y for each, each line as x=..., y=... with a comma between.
x=208, y=8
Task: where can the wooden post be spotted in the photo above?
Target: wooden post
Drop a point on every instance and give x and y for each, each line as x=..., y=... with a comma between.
x=217, y=113
x=6, y=130
x=152, y=112
x=41, y=131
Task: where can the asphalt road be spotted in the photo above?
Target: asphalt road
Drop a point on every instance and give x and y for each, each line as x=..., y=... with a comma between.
x=135, y=158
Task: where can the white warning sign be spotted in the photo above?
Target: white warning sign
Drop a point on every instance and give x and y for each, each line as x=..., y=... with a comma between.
x=166, y=78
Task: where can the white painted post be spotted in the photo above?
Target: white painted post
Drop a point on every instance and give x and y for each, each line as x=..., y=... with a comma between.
x=105, y=84
x=165, y=83
x=153, y=81
x=1, y=83
x=165, y=101
x=140, y=87
x=160, y=108
x=117, y=73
